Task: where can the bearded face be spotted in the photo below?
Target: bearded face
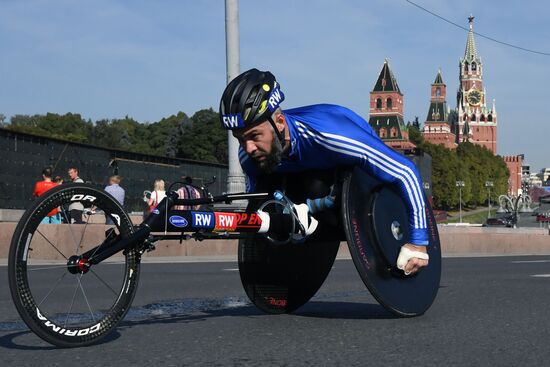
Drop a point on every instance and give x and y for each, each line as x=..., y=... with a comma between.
x=262, y=145
x=272, y=159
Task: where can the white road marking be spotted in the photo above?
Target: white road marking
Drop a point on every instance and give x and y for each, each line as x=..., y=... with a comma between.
x=236, y=269
x=529, y=261
x=541, y=275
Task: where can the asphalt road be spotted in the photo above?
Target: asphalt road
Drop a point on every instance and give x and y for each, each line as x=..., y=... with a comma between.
x=489, y=312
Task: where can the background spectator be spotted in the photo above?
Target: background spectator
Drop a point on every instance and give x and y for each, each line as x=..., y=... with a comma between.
x=40, y=188
x=116, y=191
x=188, y=191
x=157, y=195
x=75, y=209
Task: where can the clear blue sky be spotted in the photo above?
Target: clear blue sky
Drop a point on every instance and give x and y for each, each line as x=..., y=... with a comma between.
x=151, y=59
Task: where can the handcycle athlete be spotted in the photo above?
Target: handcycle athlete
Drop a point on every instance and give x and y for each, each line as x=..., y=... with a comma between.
x=317, y=137
x=316, y=176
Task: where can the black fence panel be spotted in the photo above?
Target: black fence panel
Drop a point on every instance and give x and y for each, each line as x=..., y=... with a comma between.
x=423, y=162
x=24, y=156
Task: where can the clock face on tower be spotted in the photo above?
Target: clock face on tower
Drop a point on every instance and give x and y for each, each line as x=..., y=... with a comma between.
x=474, y=97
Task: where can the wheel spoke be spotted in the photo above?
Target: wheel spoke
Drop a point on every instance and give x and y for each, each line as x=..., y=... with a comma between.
x=52, y=267
x=82, y=237
x=53, y=288
x=70, y=229
x=102, y=281
x=37, y=230
x=85, y=298
x=72, y=302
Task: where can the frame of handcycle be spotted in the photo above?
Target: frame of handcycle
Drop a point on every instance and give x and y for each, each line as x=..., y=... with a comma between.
x=164, y=222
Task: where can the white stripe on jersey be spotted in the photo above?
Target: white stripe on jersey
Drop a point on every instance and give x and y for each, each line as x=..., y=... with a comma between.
x=410, y=174
x=413, y=180
x=377, y=160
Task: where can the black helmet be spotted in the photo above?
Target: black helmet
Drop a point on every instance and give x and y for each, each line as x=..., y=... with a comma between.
x=249, y=99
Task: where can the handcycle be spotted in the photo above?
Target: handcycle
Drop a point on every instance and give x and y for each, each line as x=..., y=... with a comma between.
x=73, y=284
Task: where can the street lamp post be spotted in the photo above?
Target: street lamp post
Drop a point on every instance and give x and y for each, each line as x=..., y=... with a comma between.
x=460, y=185
x=488, y=185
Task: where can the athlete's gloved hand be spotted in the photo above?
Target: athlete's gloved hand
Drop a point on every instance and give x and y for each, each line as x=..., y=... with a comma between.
x=306, y=223
x=412, y=258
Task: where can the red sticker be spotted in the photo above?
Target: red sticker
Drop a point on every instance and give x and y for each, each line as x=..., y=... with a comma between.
x=226, y=222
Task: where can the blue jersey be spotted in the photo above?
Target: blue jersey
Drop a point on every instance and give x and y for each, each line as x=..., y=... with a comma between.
x=327, y=136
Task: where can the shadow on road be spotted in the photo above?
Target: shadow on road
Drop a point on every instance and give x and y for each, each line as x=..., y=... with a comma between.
x=7, y=341
x=344, y=310
x=195, y=310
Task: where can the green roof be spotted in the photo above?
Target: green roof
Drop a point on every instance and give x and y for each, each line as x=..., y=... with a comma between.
x=387, y=122
x=437, y=112
x=386, y=81
x=438, y=78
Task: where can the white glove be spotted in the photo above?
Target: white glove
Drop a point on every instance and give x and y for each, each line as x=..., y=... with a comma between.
x=405, y=255
x=307, y=221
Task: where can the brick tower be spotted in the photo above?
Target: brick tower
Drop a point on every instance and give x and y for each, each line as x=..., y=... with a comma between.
x=386, y=111
x=476, y=122
x=437, y=128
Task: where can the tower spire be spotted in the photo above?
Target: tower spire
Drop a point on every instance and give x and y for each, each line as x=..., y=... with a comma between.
x=470, y=53
x=438, y=77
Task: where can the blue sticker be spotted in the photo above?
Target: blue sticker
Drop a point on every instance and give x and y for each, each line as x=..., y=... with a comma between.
x=155, y=211
x=203, y=219
x=178, y=221
x=275, y=98
x=233, y=121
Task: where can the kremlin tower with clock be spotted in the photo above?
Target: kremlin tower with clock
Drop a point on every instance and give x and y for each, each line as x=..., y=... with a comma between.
x=472, y=120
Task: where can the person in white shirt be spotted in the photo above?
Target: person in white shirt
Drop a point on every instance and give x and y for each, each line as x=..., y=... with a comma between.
x=157, y=195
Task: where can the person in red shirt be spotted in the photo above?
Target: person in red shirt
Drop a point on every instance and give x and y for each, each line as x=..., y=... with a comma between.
x=40, y=188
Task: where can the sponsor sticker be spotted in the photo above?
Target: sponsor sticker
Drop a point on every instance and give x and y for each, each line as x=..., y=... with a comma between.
x=82, y=197
x=155, y=211
x=248, y=220
x=226, y=221
x=203, y=219
x=178, y=221
x=275, y=98
x=233, y=121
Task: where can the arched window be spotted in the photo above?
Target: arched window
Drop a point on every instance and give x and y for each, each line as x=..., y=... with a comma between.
x=482, y=118
x=473, y=116
x=465, y=118
x=441, y=129
x=437, y=92
x=474, y=66
x=393, y=132
x=490, y=118
x=465, y=67
x=378, y=103
x=383, y=133
x=389, y=103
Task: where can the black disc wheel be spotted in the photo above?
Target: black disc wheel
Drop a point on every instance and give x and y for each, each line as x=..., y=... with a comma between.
x=280, y=278
x=60, y=296
x=376, y=224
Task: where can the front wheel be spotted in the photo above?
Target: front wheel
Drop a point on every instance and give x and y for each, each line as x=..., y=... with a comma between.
x=60, y=298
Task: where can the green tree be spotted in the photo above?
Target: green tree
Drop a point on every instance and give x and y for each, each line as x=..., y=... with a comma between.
x=204, y=139
x=165, y=135
x=69, y=126
x=415, y=135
